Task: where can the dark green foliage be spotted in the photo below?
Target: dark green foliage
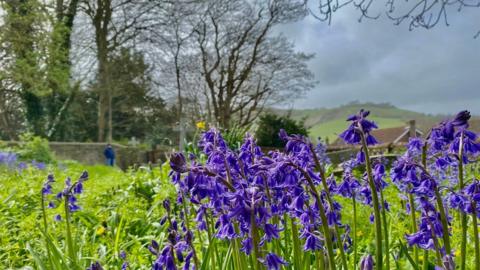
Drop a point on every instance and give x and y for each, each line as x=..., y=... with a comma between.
x=234, y=136
x=269, y=126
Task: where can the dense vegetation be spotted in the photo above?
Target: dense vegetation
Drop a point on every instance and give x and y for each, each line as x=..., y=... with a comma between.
x=242, y=209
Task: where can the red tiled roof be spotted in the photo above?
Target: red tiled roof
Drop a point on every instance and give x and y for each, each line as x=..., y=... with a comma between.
x=384, y=135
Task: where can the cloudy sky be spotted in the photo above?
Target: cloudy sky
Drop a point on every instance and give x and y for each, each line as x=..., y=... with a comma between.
x=432, y=71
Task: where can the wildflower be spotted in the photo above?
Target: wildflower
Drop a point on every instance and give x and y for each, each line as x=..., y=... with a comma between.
x=95, y=266
x=272, y=261
x=366, y=263
x=8, y=159
x=312, y=242
x=352, y=135
x=47, y=186
x=22, y=166
x=200, y=125
x=178, y=163
x=100, y=230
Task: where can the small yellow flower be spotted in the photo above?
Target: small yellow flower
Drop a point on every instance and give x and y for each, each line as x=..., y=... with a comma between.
x=100, y=230
x=359, y=233
x=457, y=253
x=201, y=125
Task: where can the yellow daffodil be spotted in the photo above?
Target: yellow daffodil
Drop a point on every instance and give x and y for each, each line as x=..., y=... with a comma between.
x=201, y=125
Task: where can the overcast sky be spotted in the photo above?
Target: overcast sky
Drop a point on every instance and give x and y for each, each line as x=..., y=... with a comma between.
x=431, y=71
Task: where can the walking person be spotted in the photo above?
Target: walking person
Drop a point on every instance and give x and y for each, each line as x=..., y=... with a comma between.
x=109, y=154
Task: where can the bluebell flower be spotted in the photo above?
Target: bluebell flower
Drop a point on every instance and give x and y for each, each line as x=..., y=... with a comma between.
x=8, y=159
x=312, y=242
x=47, y=186
x=273, y=261
x=39, y=165
x=366, y=263
x=352, y=135
x=178, y=163
x=247, y=245
x=95, y=266
x=22, y=166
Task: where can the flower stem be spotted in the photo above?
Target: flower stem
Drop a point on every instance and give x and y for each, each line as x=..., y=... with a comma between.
x=441, y=208
x=71, y=252
x=254, y=233
x=187, y=226
x=296, y=245
x=45, y=227
x=385, y=231
x=425, y=259
x=320, y=260
x=323, y=217
x=355, y=251
x=476, y=238
x=414, y=224
x=376, y=208
x=463, y=216
x=330, y=202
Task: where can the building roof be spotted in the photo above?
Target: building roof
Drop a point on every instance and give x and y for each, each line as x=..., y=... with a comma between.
x=387, y=135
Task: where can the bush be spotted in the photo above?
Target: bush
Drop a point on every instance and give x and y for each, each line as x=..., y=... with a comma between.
x=269, y=126
x=35, y=148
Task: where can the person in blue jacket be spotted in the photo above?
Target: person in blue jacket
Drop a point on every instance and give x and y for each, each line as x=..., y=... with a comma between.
x=109, y=154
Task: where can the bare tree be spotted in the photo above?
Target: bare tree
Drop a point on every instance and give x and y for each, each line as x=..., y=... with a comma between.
x=172, y=33
x=418, y=14
x=116, y=24
x=242, y=62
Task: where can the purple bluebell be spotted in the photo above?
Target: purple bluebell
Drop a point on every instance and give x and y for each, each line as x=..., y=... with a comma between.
x=352, y=135
x=95, y=266
x=272, y=261
x=178, y=163
x=22, y=166
x=366, y=263
x=47, y=186
x=39, y=165
x=312, y=242
x=8, y=159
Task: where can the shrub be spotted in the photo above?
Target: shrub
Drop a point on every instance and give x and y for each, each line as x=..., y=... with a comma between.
x=35, y=148
x=269, y=126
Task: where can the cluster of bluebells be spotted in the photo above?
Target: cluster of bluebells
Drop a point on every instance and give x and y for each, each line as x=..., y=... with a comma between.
x=69, y=193
x=249, y=193
x=10, y=160
x=350, y=186
x=440, y=151
x=467, y=200
x=178, y=250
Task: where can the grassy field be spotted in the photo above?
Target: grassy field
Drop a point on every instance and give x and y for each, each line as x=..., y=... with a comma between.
x=330, y=130
x=118, y=212
x=328, y=123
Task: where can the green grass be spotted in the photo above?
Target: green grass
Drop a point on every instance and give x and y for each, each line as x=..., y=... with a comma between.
x=328, y=123
x=110, y=196
x=122, y=210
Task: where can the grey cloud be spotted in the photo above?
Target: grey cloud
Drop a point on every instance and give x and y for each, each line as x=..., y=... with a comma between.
x=433, y=71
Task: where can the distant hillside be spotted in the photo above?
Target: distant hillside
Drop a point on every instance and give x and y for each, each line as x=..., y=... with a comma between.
x=328, y=123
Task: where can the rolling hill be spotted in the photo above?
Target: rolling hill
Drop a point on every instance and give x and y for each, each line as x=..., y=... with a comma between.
x=328, y=123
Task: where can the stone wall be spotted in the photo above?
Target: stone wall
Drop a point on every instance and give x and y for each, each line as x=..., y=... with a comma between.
x=92, y=153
